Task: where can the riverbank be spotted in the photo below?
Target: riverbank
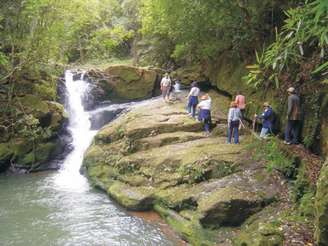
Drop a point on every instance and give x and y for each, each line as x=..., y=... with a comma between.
x=157, y=158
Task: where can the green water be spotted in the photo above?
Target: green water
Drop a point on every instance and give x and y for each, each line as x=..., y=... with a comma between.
x=43, y=209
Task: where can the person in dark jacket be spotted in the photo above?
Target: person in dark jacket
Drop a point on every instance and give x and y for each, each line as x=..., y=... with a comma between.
x=267, y=120
x=293, y=117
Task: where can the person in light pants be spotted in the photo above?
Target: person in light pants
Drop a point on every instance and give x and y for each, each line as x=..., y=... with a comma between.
x=267, y=117
x=166, y=87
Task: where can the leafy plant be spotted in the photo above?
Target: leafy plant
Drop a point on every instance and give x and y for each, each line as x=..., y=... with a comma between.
x=304, y=32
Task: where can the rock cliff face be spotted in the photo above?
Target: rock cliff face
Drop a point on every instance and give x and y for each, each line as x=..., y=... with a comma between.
x=156, y=157
x=321, y=207
x=226, y=75
x=31, y=132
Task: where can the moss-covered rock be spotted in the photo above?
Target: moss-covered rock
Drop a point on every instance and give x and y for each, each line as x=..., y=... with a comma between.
x=228, y=206
x=261, y=234
x=156, y=157
x=132, y=198
x=6, y=154
x=189, y=230
x=32, y=116
x=263, y=229
x=41, y=154
x=189, y=74
x=125, y=82
x=321, y=208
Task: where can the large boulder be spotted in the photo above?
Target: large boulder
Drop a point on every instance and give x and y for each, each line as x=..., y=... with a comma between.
x=123, y=82
x=156, y=157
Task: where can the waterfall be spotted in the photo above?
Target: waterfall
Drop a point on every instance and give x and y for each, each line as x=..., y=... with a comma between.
x=79, y=127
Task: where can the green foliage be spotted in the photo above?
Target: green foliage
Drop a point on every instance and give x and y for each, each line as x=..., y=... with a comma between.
x=202, y=29
x=195, y=172
x=275, y=158
x=304, y=33
x=303, y=194
x=313, y=120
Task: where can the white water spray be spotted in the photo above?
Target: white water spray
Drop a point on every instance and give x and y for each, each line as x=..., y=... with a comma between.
x=79, y=126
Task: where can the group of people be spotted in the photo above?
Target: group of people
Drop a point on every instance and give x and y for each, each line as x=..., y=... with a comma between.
x=236, y=112
x=293, y=118
x=193, y=105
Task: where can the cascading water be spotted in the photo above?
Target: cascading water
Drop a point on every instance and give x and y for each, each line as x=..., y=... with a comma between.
x=79, y=126
x=60, y=208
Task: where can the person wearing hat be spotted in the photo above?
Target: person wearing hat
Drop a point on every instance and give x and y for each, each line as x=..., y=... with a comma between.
x=193, y=99
x=267, y=120
x=165, y=87
x=293, y=117
x=205, y=112
x=234, y=119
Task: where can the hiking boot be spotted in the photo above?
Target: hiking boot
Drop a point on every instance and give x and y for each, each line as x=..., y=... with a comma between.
x=288, y=143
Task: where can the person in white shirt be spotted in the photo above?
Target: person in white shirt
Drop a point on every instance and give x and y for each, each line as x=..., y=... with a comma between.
x=177, y=86
x=165, y=87
x=193, y=99
x=234, y=118
x=205, y=112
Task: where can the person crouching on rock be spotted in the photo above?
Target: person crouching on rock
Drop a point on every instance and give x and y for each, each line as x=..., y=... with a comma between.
x=193, y=99
x=166, y=87
x=234, y=118
x=205, y=112
x=267, y=117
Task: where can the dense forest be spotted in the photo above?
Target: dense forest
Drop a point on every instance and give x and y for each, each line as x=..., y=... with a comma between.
x=260, y=47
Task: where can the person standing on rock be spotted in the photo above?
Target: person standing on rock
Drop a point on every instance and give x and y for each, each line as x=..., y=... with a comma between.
x=267, y=117
x=293, y=117
x=241, y=103
x=193, y=99
x=234, y=119
x=166, y=87
x=205, y=112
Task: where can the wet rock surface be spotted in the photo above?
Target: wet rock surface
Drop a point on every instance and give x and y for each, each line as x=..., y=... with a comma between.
x=156, y=157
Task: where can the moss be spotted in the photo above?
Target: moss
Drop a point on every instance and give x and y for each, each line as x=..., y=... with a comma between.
x=189, y=230
x=260, y=234
x=129, y=82
x=276, y=155
x=302, y=185
x=179, y=197
x=189, y=74
x=228, y=206
x=321, y=208
x=20, y=147
x=6, y=154
x=33, y=104
x=132, y=198
x=46, y=90
x=5, y=151
x=41, y=154
x=57, y=115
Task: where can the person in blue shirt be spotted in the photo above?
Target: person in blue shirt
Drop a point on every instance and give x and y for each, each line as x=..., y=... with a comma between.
x=267, y=120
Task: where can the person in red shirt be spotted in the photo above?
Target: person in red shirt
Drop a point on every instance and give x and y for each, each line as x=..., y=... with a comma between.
x=241, y=102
